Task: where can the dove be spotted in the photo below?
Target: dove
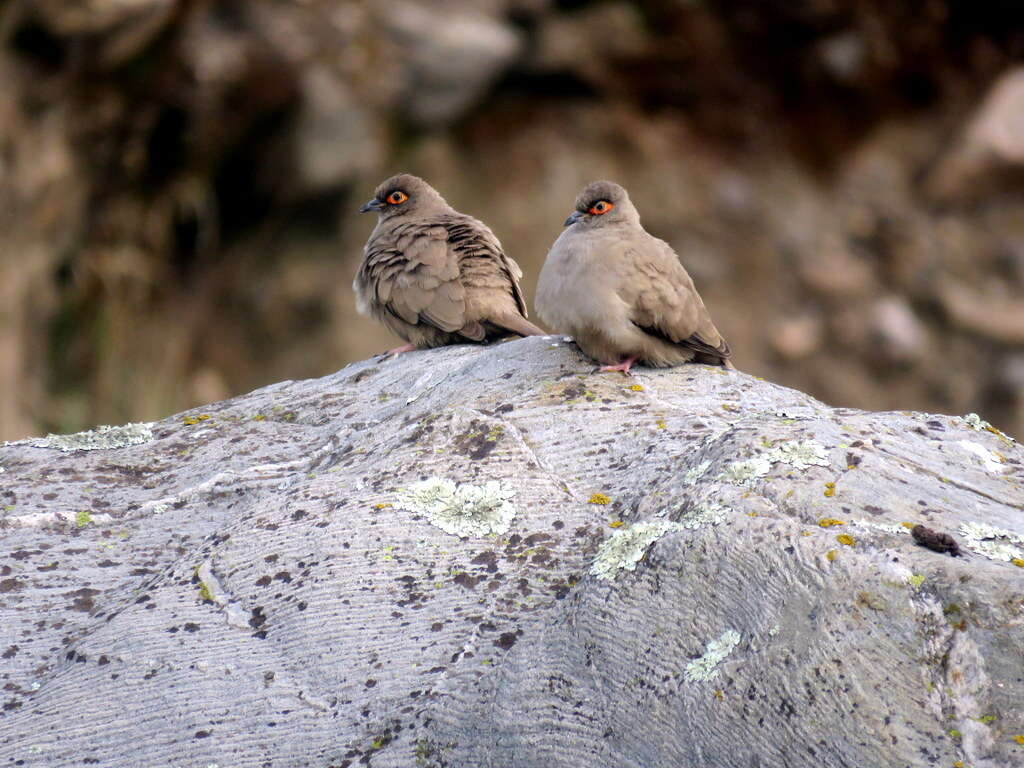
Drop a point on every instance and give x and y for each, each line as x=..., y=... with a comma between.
x=621, y=293
x=435, y=276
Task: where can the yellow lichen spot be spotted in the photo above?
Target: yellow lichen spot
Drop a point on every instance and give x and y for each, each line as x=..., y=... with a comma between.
x=846, y=539
x=637, y=387
x=661, y=424
x=599, y=498
x=1019, y=738
x=805, y=533
x=830, y=489
x=1018, y=561
x=907, y=525
x=916, y=580
x=720, y=695
x=384, y=505
x=188, y=421
x=615, y=524
x=259, y=417
x=828, y=522
x=831, y=555
x=958, y=764
x=752, y=514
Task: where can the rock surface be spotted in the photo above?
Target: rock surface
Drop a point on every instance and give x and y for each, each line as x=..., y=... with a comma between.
x=688, y=567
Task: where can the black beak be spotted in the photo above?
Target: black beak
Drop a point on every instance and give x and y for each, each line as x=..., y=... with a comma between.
x=372, y=205
x=576, y=216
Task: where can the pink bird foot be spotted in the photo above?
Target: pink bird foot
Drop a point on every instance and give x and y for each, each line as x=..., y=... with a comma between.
x=622, y=367
x=397, y=351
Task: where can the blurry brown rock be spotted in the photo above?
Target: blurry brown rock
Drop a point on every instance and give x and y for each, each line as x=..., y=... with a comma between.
x=991, y=144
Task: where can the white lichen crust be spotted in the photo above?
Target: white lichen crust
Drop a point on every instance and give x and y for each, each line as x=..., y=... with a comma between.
x=101, y=438
x=461, y=510
x=744, y=472
x=692, y=475
x=974, y=421
x=707, y=514
x=799, y=454
x=705, y=667
x=624, y=549
x=994, y=543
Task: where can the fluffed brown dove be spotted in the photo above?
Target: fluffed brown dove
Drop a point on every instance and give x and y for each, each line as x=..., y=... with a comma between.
x=621, y=293
x=435, y=276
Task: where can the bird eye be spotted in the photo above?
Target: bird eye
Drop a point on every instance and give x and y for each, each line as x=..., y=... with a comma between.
x=601, y=206
x=397, y=197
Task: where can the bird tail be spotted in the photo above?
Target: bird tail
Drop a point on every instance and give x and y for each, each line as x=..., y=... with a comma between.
x=517, y=324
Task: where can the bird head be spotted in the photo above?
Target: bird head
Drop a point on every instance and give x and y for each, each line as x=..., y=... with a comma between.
x=602, y=203
x=404, y=194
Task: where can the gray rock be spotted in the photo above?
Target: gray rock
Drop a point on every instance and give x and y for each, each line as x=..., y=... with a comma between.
x=492, y=557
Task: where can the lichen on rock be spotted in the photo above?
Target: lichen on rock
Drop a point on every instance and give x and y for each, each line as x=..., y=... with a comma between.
x=797, y=453
x=626, y=547
x=705, y=667
x=693, y=474
x=994, y=543
x=745, y=472
x=974, y=421
x=101, y=438
x=461, y=510
x=800, y=454
x=706, y=514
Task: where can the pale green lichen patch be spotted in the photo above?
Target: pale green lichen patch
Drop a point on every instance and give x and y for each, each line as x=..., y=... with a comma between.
x=624, y=549
x=745, y=472
x=974, y=421
x=886, y=527
x=461, y=510
x=994, y=543
x=705, y=667
x=693, y=474
x=83, y=518
x=706, y=514
x=97, y=439
x=800, y=454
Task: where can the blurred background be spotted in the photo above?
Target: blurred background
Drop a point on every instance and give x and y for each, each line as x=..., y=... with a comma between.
x=179, y=182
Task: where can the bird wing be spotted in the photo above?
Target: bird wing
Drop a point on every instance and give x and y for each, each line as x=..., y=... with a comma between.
x=422, y=272
x=484, y=262
x=411, y=272
x=664, y=302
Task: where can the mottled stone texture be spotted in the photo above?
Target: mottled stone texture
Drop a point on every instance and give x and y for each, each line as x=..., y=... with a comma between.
x=245, y=589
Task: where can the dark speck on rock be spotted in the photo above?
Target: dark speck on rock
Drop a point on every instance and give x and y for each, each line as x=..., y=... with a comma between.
x=507, y=639
x=191, y=627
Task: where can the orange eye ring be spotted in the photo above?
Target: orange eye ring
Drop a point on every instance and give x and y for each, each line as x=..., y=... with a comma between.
x=601, y=207
x=397, y=197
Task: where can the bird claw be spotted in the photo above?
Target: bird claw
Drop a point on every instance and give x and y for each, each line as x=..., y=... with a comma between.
x=613, y=369
x=622, y=367
x=395, y=352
